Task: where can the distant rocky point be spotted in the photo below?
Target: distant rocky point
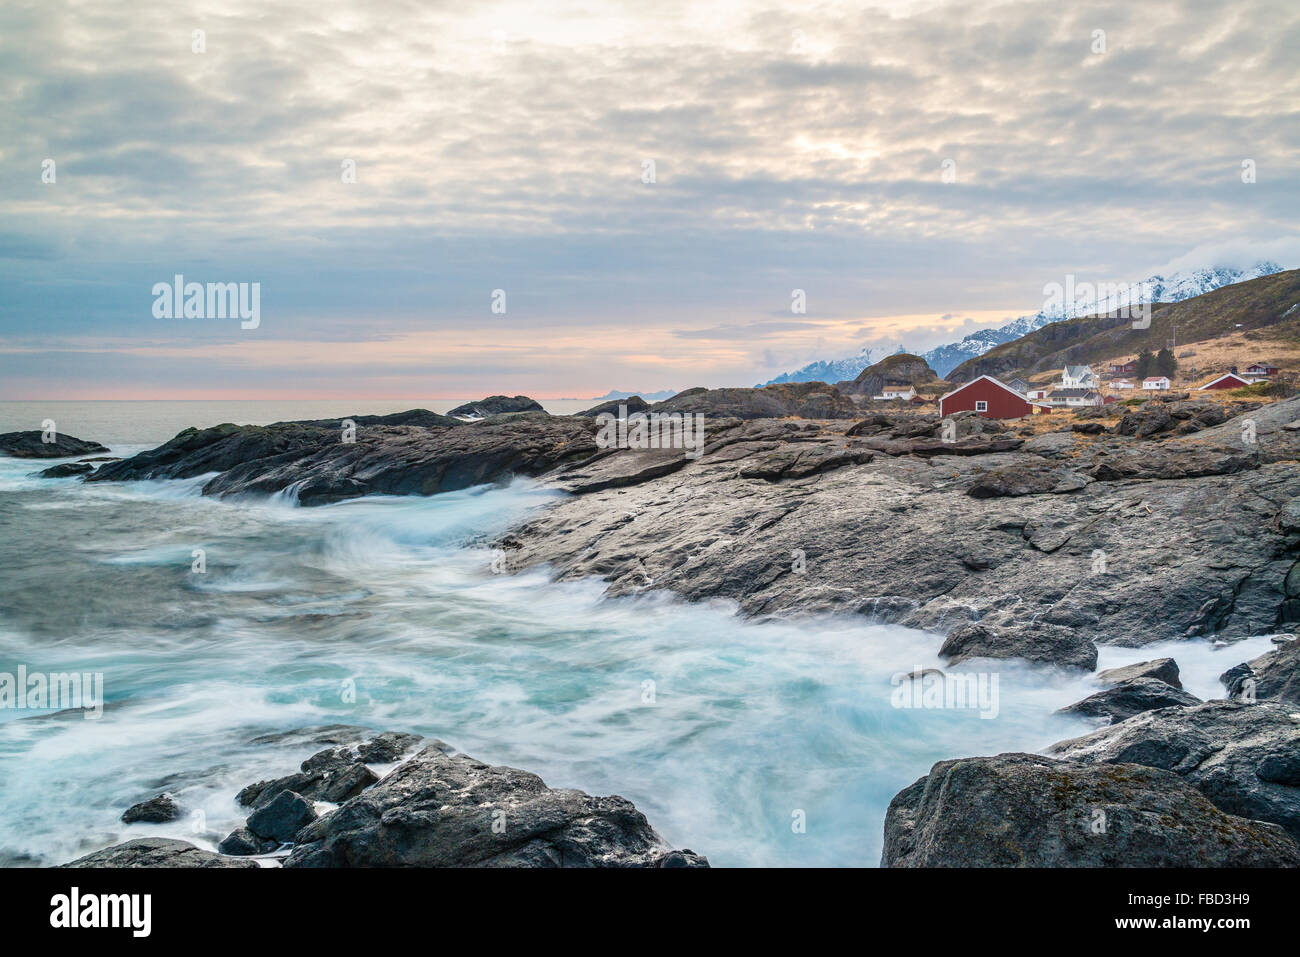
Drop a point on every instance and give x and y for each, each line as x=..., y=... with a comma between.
x=33, y=445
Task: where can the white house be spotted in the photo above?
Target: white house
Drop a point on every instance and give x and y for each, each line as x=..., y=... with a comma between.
x=1121, y=384
x=1078, y=377
x=1074, y=398
x=1038, y=392
x=904, y=392
x=1158, y=382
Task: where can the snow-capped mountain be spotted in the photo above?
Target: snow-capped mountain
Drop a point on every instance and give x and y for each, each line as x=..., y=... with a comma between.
x=833, y=370
x=1175, y=287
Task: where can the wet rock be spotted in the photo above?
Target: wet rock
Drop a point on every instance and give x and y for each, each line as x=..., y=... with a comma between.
x=1023, y=810
x=30, y=445
x=1274, y=675
x=448, y=810
x=242, y=842
x=1244, y=757
x=387, y=747
x=1054, y=645
x=1132, y=697
x=333, y=775
x=282, y=817
x=798, y=463
x=68, y=470
x=621, y=468
x=497, y=405
x=1162, y=669
x=384, y=459
x=156, y=810
x=157, y=852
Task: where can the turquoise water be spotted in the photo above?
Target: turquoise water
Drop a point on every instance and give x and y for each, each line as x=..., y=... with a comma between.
x=745, y=727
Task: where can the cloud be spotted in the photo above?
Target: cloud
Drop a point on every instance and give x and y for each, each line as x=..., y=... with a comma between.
x=502, y=145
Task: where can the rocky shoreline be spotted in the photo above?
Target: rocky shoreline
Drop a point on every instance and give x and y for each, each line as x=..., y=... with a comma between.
x=435, y=808
x=1015, y=540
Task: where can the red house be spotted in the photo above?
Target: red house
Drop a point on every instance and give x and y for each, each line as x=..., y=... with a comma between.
x=1124, y=368
x=1260, y=368
x=988, y=397
x=1228, y=380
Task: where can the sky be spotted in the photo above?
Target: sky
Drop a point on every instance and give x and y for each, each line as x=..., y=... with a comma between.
x=918, y=170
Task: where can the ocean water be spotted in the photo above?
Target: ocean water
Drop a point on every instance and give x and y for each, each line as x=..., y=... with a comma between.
x=774, y=743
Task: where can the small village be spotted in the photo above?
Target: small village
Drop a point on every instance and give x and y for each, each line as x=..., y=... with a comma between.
x=1078, y=387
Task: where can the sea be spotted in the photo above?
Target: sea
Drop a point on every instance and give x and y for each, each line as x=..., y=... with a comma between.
x=213, y=624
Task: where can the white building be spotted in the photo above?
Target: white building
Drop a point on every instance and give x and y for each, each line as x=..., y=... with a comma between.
x=1038, y=392
x=1078, y=377
x=903, y=392
x=1074, y=398
x=1121, y=384
x=1158, y=382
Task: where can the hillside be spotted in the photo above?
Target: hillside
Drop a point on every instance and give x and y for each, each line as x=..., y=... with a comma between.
x=902, y=368
x=1262, y=314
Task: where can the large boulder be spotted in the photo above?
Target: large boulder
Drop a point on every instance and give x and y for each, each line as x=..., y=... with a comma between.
x=156, y=810
x=333, y=775
x=1046, y=643
x=1243, y=757
x=32, y=445
x=442, y=809
x=1023, y=810
x=157, y=852
x=281, y=818
x=1162, y=669
x=1132, y=697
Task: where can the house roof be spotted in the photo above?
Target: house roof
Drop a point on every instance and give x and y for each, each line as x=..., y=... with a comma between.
x=1156, y=378
x=1078, y=372
x=1000, y=385
x=1070, y=393
x=1226, y=375
x=895, y=388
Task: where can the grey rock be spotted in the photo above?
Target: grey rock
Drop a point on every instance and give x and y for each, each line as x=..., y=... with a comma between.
x=387, y=747
x=1023, y=810
x=498, y=405
x=29, y=445
x=807, y=400
x=1060, y=646
x=156, y=810
x=333, y=775
x=282, y=817
x=1275, y=675
x=157, y=852
x=616, y=407
x=68, y=470
x=1132, y=697
x=242, y=842
x=1243, y=757
x=1162, y=669
x=438, y=809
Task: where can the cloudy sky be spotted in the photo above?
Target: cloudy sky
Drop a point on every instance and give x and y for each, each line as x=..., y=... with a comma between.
x=794, y=146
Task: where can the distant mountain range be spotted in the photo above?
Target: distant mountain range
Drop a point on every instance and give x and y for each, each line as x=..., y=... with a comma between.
x=1177, y=286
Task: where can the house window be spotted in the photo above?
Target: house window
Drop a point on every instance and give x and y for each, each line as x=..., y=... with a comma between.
x=981, y=406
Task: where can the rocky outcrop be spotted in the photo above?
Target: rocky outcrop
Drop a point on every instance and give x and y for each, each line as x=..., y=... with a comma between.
x=282, y=817
x=1059, y=646
x=1023, y=810
x=900, y=369
x=332, y=775
x=443, y=809
x=32, y=445
x=806, y=400
x=1162, y=669
x=497, y=405
x=1245, y=758
x=67, y=470
x=1132, y=697
x=158, y=852
x=628, y=406
x=320, y=466
x=156, y=810
x=1273, y=676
